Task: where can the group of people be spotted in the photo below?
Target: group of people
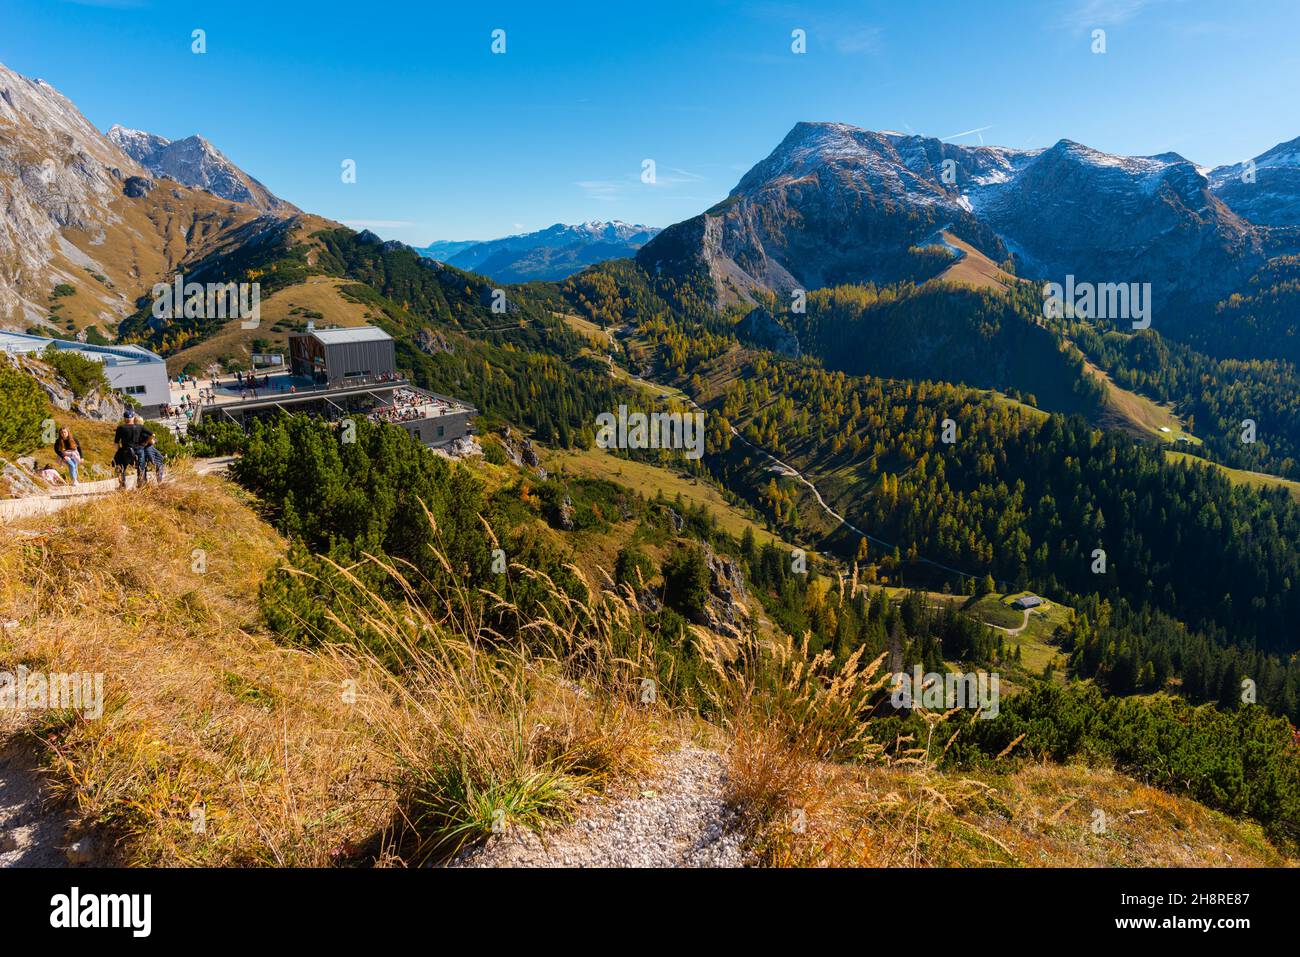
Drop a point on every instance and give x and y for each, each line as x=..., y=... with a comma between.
x=252, y=382
x=136, y=447
x=407, y=405
x=186, y=407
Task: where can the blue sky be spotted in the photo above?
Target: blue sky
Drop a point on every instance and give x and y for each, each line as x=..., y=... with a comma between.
x=452, y=141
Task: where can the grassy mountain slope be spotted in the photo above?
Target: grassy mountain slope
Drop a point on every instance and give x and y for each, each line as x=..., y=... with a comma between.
x=311, y=755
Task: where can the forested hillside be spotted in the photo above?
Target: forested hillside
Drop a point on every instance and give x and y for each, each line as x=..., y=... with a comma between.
x=1094, y=518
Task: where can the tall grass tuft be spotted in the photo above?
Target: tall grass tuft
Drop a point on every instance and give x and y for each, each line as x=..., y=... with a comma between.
x=486, y=732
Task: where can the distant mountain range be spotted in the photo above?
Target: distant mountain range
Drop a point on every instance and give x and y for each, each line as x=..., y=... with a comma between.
x=832, y=204
x=556, y=252
x=836, y=204
x=195, y=162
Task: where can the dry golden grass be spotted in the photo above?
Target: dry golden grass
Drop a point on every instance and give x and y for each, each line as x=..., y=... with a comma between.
x=204, y=711
x=974, y=269
x=906, y=813
x=485, y=733
x=299, y=757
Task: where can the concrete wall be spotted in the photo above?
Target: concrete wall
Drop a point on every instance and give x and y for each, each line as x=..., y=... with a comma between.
x=453, y=426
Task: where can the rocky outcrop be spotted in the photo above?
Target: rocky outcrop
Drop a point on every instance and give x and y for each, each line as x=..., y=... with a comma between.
x=727, y=609
x=96, y=404
x=567, y=512
x=17, y=482
x=675, y=518
x=433, y=342
x=760, y=329
x=138, y=187
x=520, y=451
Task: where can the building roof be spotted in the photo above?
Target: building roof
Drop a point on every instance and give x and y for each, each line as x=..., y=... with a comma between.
x=116, y=355
x=333, y=337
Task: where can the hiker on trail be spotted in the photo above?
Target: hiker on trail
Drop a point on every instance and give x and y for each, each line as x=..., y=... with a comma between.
x=68, y=449
x=153, y=456
x=131, y=438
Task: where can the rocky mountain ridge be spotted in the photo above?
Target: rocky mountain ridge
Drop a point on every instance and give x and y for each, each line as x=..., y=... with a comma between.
x=195, y=162
x=837, y=204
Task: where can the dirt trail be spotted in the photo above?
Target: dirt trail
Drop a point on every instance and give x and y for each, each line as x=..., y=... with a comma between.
x=675, y=818
x=1014, y=631
x=31, y=833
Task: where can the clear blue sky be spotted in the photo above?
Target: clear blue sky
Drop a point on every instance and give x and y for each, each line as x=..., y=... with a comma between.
x=453, y=142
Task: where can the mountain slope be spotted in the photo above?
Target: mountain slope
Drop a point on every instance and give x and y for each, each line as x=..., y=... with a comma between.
x=832, y=204
x=443, y=249
x=84, y=229
x=1265, y=190
x=1103, y=218
x=195, y=162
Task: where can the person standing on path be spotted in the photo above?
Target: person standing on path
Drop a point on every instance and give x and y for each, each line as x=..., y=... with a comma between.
x=131, y=438
x=153, y=456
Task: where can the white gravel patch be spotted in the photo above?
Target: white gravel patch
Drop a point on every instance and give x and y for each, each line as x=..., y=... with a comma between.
x=675, y=818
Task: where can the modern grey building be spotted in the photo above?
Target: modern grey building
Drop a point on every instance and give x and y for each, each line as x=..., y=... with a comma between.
x=343, y=357
x=131, y=370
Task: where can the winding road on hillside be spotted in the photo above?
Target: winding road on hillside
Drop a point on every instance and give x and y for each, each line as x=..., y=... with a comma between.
x=1013, y=631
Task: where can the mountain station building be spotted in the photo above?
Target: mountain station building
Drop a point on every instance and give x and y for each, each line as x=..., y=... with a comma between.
x=337, y=374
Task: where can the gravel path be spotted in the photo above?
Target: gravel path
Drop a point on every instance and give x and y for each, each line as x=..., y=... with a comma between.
x=675, y=818
x=30, y=834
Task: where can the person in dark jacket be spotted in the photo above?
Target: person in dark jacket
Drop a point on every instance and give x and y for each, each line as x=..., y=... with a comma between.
x=131, y=438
